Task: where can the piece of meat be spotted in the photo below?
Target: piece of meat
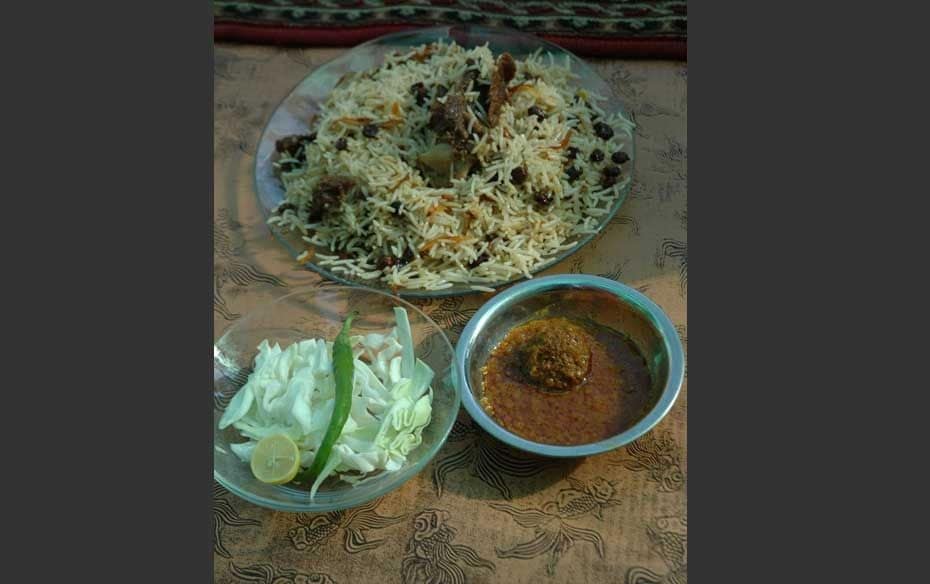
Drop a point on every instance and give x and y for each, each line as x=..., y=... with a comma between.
x=329, y=193
x=559, y=357
x=450, y=120
x=504, y=72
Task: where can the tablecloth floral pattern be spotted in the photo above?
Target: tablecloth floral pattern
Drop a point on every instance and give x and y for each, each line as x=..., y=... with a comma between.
x=479, y=512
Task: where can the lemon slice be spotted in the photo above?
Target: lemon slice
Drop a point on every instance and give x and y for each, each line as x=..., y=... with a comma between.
x=275, y=460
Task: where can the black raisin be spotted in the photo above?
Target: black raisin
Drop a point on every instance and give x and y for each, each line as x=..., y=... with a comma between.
x=608, y=180
x=420, y=91
x=479, y=260
x=441, y=91
x=612, y=171
x=291, y=144
x=544, y=198
x=620, y=157
x=385, y=261
x=518, y=175
x=573, y=173
x=397, y=207
x=603, y=131
x=341, y=144
x=597, y=155
x=572, y=153
x=406, y=258
x=370, y=130
x=536, y=111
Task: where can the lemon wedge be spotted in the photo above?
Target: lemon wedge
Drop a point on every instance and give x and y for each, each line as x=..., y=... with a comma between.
x=275, y=460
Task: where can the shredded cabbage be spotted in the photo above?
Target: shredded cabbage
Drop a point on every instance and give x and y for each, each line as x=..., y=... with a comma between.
x=291, y=391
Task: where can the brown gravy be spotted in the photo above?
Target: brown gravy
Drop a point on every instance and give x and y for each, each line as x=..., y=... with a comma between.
x=613, y=395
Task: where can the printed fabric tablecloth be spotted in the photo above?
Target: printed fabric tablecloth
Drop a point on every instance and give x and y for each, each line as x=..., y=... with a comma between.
x=479, y=512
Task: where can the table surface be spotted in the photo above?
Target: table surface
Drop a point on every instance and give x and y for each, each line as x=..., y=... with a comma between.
x=479, y=512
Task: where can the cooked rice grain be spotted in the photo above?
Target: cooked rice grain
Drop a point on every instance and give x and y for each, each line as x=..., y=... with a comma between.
x=483, y=215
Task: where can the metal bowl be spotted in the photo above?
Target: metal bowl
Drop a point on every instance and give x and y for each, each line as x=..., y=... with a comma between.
x=573, y=296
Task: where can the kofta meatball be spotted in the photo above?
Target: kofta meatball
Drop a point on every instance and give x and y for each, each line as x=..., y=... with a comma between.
x=559, y=357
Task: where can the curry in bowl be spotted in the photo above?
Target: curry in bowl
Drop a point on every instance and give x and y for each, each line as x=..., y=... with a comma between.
x=559, y=381
x=567, y=367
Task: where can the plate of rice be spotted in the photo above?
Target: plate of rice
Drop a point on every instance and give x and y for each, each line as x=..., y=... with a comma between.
x=444, y=161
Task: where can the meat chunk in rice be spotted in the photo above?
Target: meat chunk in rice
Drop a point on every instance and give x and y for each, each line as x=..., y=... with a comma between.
x=328, y=195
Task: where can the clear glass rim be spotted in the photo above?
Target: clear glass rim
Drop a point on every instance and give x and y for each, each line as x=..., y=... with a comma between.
x=582, y=240
x=351, y=497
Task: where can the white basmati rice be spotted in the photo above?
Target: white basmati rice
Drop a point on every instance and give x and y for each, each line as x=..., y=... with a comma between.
x=481, y=230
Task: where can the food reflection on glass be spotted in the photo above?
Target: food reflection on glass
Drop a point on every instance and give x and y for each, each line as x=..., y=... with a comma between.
x=555, y=380
x=449, y=166
x=351, y=408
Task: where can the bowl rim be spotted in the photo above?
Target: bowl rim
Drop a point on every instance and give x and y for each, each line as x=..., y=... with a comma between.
x=395, y=480
x=649, y=309
x=417, y=293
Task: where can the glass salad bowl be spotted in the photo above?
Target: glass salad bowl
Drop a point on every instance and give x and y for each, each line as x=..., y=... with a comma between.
x=320, y=313
x=293, y=114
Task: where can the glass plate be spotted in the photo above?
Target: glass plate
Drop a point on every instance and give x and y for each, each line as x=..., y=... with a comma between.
x=293, y=114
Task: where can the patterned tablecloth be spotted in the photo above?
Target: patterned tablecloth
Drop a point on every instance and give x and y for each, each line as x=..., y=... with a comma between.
x=605, y=28
x=479, y=512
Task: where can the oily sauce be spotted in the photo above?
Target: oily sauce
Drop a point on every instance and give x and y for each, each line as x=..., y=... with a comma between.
x=613, y=393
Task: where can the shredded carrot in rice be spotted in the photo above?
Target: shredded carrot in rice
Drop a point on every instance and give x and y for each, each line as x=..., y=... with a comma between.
x=565, y=141
x=436, y=209
x=467, y=219
x=442, y=238
x=421, y=56
x=350, y=121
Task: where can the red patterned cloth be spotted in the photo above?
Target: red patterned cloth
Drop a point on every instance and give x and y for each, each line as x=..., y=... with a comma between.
x=647, y=28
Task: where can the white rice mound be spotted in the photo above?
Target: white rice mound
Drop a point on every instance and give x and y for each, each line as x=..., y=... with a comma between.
x=481, y=215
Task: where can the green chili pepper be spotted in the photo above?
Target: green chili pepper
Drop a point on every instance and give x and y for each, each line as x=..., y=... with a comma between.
x=343, y=375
